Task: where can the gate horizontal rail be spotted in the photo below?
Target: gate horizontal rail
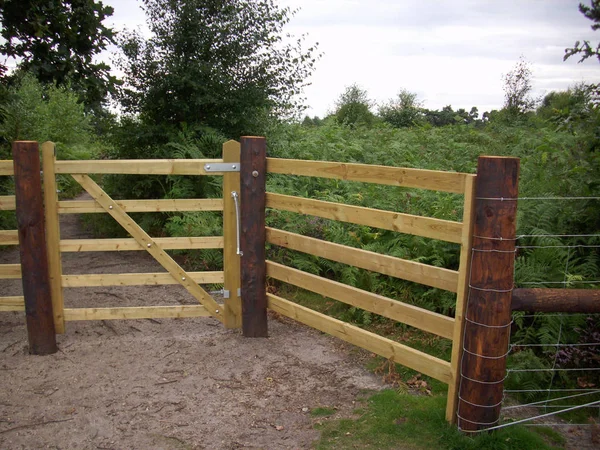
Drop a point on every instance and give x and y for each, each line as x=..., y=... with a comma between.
x=137, y=167
x=136, y=312
x=395, y=176
x=15, y=303
x=137, y=279
x=444, y=230
x=388, y=265
x=132, y=206
x=411, y=315
x=130, y=244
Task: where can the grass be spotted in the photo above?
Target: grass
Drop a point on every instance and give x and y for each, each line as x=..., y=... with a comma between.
x=399, y=419
x=395, y=420
x=322, y=411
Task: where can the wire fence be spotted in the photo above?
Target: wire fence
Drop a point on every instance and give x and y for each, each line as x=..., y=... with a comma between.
x=553, y=364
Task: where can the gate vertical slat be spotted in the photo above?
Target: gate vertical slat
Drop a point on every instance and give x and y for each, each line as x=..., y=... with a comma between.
x=231, y=260
x=32, y=248
x=461, y=297
x=253, y=236
x=53, y=235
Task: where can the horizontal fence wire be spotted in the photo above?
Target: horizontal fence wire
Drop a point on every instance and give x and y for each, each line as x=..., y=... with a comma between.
x=545, y=402
x=554, y=396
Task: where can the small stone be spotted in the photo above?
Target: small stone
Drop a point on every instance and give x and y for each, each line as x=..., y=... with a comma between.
x=305, y=409
x=279, y=427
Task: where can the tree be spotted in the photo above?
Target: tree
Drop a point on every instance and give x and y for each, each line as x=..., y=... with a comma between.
x=584, y=48
x=403, y=111
x=57, y=41
x=517, y=89
x=219, y=63
x=353, y=107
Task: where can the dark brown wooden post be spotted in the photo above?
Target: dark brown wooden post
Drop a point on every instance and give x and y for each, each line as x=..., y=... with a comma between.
x=557, y=300
x=488, y=314
x=32, y=246
x=253, y=170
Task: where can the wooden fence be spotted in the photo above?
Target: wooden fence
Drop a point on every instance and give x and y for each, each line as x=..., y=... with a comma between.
x=483, y=296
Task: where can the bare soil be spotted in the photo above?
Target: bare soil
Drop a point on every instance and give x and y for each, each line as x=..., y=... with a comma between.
x=172, y=383
x=168, y=383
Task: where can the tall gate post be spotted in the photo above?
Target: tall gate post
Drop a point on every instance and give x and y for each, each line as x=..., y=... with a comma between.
x=32, y=247
x=253, y=168
x=488, y=312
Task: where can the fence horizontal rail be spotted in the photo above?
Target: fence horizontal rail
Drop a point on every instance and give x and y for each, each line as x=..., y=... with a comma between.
x=9, y=237
x=392, y=309
x=556, y=300
x=7, y=203
x=138, y=166
x=132, y=206
x=388, y=265
x=444, y=230
x=402, y=354
x=394, y=176
x=136, y=312
x=137, y=279
x=8, y=271
x=7, y=167
x=16, y=303
x=128, y=244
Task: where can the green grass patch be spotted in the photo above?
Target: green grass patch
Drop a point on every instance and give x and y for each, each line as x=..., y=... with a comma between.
x=322, y=411
x=393, y=420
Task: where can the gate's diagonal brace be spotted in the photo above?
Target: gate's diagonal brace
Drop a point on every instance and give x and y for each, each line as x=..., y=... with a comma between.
x=119, y=214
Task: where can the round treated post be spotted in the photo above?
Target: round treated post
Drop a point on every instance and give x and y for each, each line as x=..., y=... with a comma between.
x=32, y=247
x=253, y=168
x=488, y=313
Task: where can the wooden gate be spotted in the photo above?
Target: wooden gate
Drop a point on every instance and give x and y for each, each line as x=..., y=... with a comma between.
x=244, y=168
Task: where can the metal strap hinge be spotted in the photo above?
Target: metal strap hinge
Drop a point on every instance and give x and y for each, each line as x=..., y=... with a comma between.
x=226, y=293
x=222, y=167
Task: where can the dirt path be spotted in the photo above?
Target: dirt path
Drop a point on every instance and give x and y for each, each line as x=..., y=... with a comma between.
x=169, y=383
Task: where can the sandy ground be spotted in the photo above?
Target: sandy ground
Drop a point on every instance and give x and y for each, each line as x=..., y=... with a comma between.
x=168, y=383
x=171, y=383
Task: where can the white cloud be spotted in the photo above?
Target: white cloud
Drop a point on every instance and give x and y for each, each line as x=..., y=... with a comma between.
x=449, y=52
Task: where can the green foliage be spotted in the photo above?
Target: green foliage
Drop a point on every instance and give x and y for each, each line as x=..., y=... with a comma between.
x=517, y=89
x=353, y=107
x=219, y=64
x=403, y=111
x=585, y=49
x=57, y=41
x=32, y=111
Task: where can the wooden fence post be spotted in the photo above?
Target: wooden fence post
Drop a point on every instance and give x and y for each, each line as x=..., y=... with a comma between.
x=32, y=247
x=253, y=236
x=488, y=312
x=232, y=313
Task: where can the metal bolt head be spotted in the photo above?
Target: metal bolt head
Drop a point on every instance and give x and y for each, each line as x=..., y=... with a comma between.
x=207, y=167
x=255, y=173
x=110, y=207
x=216, y=311
x=149, y=245
x=234, y=167
x=182, y=278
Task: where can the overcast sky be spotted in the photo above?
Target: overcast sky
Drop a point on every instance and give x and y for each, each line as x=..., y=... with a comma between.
x=451, y=52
